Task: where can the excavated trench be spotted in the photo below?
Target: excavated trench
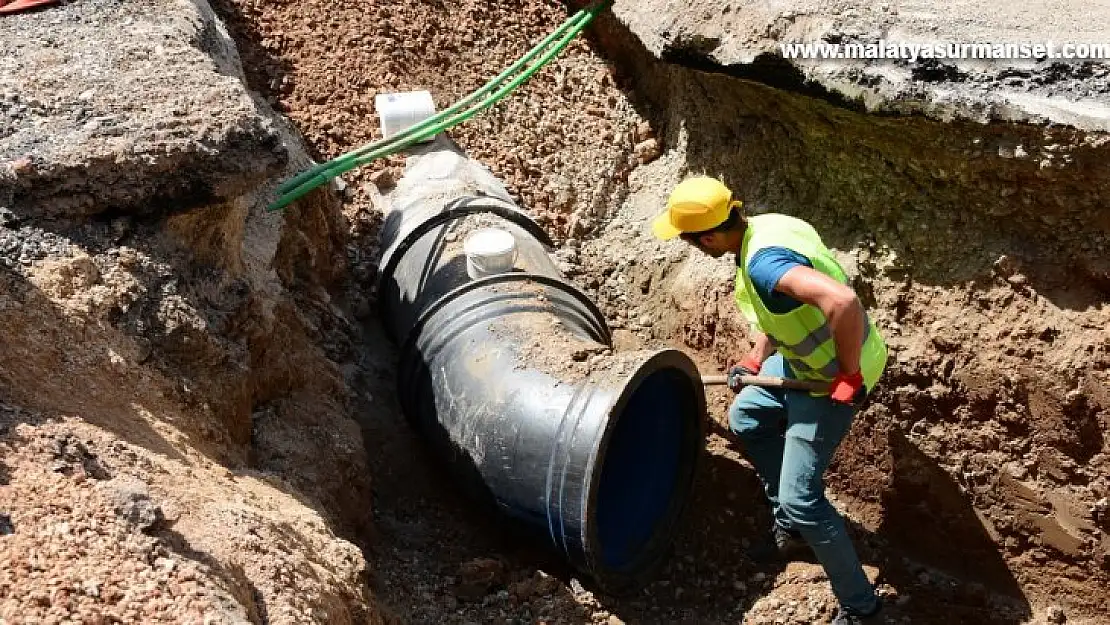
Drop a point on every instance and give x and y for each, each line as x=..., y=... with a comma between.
x=229, y=358
x=977, y=477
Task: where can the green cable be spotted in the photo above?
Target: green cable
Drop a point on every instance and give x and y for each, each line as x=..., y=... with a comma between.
x=429, y=128
x=427, y=123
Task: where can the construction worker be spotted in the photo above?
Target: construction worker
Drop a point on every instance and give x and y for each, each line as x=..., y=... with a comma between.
x=807, y=324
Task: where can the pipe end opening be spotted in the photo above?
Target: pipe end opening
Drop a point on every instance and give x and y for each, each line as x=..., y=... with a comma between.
x=646, y=471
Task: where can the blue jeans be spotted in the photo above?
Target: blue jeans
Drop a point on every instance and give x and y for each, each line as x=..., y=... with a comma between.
x=791, y=467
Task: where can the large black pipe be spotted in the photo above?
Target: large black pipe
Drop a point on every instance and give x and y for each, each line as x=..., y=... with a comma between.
x=513, y=380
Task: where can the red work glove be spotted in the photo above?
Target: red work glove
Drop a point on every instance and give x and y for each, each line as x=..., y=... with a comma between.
x=847, y=388
x=747, y=366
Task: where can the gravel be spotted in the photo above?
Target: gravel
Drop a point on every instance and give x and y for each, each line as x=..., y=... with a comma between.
x=21, y=247
x=563, y=143
x=68, y=554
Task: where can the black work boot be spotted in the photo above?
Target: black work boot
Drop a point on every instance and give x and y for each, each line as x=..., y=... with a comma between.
x=780, y=543
x=847, y=616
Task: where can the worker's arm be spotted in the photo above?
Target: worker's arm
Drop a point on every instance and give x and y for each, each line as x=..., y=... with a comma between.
x=840, y=305
x=761, y=348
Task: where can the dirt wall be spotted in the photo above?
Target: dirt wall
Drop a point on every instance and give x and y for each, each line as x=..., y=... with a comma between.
x=176, y=442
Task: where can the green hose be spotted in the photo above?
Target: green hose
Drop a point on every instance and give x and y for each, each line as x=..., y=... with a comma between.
x=298, y=186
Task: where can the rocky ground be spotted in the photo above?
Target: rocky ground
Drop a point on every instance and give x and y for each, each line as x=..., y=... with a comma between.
x=230, y=359
x=155, y=327
x=111, y=531
x=77, y=145
x=562, y=143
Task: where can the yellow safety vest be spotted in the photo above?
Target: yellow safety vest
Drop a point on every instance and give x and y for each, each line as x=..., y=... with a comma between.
x=802, y=336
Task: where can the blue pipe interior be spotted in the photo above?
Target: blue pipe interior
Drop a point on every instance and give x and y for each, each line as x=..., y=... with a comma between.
x=641, y=466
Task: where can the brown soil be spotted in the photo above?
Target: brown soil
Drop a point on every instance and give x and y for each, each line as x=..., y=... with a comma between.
x=174, y=437
x=546, y=345
x=113, y=532
x=562, y=143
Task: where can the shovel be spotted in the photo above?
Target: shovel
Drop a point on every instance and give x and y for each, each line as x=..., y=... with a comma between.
x=768, y=382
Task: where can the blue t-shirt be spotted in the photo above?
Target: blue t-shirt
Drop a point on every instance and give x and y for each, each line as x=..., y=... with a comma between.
x=766, y=268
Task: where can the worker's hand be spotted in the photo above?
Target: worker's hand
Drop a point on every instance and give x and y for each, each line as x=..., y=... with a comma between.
x=847, y=388
x=747, y=366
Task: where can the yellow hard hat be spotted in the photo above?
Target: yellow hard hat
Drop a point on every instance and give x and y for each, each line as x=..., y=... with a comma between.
x=695, y=205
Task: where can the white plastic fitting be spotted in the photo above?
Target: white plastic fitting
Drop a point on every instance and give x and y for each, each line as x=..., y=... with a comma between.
x=398, y=111
x=489, y=251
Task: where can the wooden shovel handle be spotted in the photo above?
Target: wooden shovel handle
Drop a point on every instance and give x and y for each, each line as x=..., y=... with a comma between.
x=768, y=381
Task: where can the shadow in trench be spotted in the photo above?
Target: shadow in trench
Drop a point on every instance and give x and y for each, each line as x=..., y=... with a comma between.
x=266, y=72
x=708, y=577
x=931, y=522
x=429, y=531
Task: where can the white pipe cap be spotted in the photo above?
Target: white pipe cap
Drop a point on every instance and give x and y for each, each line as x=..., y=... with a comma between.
x=489, y=251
